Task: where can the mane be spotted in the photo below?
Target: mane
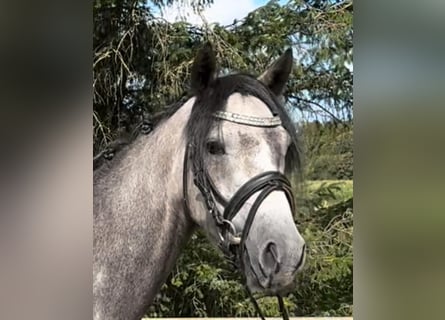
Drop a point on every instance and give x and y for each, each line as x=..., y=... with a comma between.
x=215, y=98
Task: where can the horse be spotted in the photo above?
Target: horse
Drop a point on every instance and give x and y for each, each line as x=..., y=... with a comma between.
x=219, y=162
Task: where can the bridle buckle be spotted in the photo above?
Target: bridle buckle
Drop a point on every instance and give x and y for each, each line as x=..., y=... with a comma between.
x=228, y=234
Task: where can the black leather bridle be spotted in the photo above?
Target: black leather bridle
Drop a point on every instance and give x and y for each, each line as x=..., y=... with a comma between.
x=264, y=183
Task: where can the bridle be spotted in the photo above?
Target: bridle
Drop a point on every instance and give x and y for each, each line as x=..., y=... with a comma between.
x=265, y=183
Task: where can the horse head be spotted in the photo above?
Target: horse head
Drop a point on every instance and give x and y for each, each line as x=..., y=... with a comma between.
x=241, y=147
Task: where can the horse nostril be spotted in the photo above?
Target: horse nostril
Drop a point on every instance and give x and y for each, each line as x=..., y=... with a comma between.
x=270, y=260
x=272, y=248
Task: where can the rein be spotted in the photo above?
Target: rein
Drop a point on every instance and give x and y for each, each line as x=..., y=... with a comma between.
x=264, y=183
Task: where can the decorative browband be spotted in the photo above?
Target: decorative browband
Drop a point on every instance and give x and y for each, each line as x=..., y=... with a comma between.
x=248, y=120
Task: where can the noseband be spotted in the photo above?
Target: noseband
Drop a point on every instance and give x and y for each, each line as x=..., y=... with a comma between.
x=265, y=183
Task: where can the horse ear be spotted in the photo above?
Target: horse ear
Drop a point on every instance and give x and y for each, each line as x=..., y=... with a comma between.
x=276, y=76
x=204, y=69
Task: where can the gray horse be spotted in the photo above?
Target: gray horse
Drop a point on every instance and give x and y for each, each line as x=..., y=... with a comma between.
x=217, y=163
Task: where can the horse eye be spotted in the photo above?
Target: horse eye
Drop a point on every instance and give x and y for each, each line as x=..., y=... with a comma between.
x=215, y=148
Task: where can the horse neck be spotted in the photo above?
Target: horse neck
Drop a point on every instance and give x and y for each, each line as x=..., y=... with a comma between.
x=141, y=223
x=162, y=161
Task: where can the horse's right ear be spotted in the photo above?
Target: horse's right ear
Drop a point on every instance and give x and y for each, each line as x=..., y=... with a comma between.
x=203, y=70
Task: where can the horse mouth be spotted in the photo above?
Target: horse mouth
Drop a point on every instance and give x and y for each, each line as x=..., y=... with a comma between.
x=281, y=283
x=272, y=288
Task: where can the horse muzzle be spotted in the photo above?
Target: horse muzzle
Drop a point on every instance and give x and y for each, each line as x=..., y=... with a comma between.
x=273, y=270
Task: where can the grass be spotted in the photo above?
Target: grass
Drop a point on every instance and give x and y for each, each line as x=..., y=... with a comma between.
x=325, y=193
x=342, y=189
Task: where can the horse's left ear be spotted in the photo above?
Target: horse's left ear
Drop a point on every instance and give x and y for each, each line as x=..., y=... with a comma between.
x=204, y=69
x=276, y=76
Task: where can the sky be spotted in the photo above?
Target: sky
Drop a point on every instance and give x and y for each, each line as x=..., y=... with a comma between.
x=222, y=11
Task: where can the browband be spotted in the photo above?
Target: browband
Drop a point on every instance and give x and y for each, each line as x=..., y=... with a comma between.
x=248, y=120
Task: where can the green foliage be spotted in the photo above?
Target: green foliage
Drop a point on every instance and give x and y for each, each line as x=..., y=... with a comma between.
x=326, y=222
x=321, y=194
x=328, y=148
x=326, y=283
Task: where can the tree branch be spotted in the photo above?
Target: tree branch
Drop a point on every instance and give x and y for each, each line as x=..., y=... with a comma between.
x=317, y=105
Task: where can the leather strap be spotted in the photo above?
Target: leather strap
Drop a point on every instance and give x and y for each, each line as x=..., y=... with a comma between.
x=252, y=186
